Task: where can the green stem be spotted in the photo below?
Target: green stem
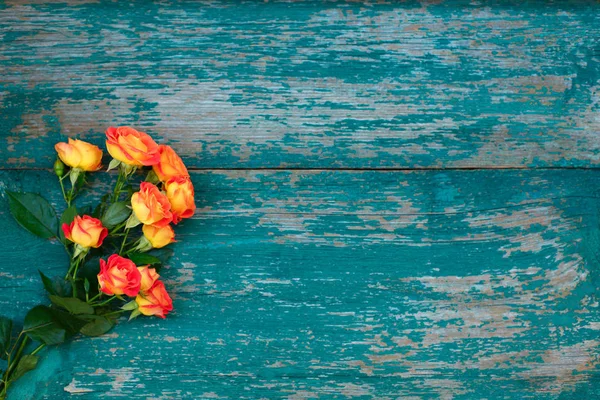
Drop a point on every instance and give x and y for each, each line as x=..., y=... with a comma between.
x=115, y=312
x=73, y=282
x=37, y=349
x=105, y=302
x=121, y=181
x=72, y=274
x=118, y=227
x=12, y=365
x=74, y=264
x=124, y=240
x=66, y=246
x=62, y=187
x=94, y=298
x=71, y=195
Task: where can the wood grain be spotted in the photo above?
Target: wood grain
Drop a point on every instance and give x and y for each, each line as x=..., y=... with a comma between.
x=451, y=84
x=341, y=284
x=308, y=270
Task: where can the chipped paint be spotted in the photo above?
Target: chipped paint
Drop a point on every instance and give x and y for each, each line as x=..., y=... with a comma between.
x=335, y=279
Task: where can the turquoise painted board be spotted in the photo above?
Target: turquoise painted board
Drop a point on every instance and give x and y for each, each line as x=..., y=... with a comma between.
x=318, y=84
x=321, y=284
x=323, y=262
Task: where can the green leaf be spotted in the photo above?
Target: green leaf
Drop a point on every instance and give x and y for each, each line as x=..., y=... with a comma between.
x=132, y=305
x=67, y=217
x=5, y=333
x=143, y=259
x=85, y=210
x=152, y=177
x=48, y=285
x=97, y=327
x=99, y=210
x=164, y=254
x=89, y=271
x=26, y=364
x=33, y=213
x=70, y=323
x=41, y=325
x=115, y=214
x=57, y=286
x=114, y=163
x=134, y=314
x=132, y=221
x=72, y=305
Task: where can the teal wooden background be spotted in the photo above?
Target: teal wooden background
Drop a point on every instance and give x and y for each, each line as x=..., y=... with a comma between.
x=395, y=200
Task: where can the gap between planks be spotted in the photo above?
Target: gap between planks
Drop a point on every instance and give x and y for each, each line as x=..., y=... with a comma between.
x=366, y=169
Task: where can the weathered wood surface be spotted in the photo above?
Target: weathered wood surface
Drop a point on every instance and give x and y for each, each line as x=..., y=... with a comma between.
x=319, y=85
x=317, y=284
x=326, y=283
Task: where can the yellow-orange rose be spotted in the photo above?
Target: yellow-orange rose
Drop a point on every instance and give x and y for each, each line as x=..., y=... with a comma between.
x=155, y=301
x=180, y=193
x=119, y=276
x=159, y=237
x=131, y=147
x=170, y=164
x=149, y=276
x=79, y=154
x=151, y=207
x=85, y=231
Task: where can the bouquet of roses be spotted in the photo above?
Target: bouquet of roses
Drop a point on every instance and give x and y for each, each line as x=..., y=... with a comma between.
x=115, y=249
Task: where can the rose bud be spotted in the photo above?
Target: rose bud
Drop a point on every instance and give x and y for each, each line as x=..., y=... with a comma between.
x=85, y=231
x=79, y=154
x=149, y=276
x=59, y=168
x=150, y=206
x=158, y=237
x=131, y=147
x=119, y=276
x=155, y=301
x=180, y=193
x=170, y=165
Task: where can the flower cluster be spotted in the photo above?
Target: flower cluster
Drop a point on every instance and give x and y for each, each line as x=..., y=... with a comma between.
x=116, y=249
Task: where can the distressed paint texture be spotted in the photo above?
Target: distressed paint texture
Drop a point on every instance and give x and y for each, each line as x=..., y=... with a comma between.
x=303, y=276
x=341, y=284
x=308, y=85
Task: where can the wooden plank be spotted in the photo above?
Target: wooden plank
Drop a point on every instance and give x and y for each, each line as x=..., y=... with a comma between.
x=457, y=84
x=320, y=284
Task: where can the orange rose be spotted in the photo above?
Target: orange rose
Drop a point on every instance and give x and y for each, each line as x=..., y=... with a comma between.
x=180, y=193
x=170, y=164
x=85, y=231
x=155, y=301
x=79, y=154
x=159, y=237
x=149, y=276
x=119, y=276
x=131, y=147
x=151, y=207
